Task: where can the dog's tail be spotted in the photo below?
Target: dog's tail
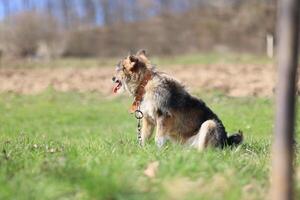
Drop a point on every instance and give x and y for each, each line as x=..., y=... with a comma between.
x=235, y=139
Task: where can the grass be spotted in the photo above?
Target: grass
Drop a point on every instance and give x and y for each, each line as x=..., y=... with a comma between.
x=83, y=146
x=189, y=59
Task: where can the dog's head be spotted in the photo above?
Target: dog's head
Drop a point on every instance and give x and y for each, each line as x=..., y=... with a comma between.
x=130, y=71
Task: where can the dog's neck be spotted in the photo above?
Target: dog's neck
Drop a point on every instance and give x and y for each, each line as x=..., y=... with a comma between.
x=140, y=91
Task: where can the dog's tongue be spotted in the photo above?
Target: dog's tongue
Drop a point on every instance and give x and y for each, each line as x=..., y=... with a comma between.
x=117, y=87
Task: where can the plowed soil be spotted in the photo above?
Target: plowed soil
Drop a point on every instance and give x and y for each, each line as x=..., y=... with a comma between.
x=233, y=80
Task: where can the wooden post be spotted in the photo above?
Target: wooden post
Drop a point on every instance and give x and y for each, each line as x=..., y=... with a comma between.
x=0, y=58
x=270, y=45
x=283, y=151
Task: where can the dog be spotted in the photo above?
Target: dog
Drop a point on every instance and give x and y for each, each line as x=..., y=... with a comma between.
x=168, y=108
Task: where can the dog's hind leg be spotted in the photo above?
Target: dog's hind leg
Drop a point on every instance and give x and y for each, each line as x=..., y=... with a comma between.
x=206, y=135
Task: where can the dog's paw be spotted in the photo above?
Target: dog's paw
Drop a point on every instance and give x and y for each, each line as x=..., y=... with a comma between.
x=160, y=141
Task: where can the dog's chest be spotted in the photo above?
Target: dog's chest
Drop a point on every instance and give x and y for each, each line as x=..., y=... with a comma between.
x=148, y=107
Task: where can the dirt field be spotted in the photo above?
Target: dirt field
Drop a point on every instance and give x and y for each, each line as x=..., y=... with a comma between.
x=232, y=79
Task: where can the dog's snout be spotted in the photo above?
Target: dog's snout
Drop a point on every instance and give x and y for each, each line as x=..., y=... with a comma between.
x=113, y=79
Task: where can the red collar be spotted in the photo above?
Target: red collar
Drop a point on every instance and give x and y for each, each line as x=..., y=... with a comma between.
x=139, y=94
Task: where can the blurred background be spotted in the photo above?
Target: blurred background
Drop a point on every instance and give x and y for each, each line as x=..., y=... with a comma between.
x=110, y=28
x=73, y=45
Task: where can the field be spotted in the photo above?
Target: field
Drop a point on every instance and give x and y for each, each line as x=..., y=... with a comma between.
x=82, y=145
x=234, y=75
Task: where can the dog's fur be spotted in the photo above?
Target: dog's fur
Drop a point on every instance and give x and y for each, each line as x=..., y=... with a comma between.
x=168, y=107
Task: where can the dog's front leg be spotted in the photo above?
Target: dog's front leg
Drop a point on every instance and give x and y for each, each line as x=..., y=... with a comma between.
x=160, y=141
x=160, y=138
x=147, y=130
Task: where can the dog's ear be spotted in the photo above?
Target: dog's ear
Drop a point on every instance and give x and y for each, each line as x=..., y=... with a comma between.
x=135, y=63
x=132, y=63
x=141, y=52
x=133, y=59
x=142, y=55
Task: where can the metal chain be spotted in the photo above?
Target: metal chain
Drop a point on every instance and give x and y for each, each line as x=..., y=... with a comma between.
x=139, y=116
x=139, y=136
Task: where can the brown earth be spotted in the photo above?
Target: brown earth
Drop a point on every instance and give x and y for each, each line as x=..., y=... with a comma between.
x=233, y=80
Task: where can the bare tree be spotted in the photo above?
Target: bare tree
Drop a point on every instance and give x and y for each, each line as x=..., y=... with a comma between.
x=120, y=11
x=50, y=7
x=106, y=10
x=165, y=6
x=90, y=12
x=26, y=4
x=29, y=4
x=140, y=9
x=6, y=6
x=69, y=14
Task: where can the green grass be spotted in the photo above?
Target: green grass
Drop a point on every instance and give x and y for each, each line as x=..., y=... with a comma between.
x=188, y=59
x=83, y=146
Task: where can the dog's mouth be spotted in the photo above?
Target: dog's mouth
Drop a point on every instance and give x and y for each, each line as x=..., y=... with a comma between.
x=118, y=85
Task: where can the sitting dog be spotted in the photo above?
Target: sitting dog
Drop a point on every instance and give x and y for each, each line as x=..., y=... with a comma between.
x=168, y=107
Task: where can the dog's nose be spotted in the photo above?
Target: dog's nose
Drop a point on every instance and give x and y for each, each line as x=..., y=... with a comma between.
x=113, y=79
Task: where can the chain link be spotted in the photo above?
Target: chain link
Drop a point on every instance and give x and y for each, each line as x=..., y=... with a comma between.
x=139, y=116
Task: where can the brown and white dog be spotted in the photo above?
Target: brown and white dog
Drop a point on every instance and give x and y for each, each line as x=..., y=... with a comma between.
x=168, y=107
